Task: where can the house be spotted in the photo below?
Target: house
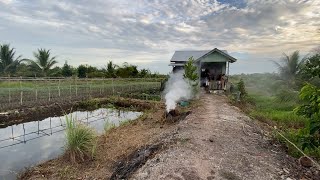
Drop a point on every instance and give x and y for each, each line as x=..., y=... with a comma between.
x=215, y=61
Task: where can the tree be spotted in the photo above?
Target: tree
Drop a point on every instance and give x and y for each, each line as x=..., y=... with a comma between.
x=312, y=66
x=127, y=71
x=8, y=62
x=290, y=67
x=144, y=73
x=190, y=70
x=82, y=71
x=43, y=62
x=66, y=70
x=111, y=69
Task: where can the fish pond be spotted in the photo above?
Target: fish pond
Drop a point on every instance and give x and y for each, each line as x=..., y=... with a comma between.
x=28, y=144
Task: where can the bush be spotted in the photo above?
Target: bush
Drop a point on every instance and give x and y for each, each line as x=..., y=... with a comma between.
x=81, y=140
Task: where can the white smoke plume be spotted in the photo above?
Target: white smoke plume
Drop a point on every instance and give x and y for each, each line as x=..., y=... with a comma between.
x=177, y=88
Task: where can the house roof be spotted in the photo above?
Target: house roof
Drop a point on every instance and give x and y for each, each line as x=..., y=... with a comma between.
x=176, y=64
x=182, y=56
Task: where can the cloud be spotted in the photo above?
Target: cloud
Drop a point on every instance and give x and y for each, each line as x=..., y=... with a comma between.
x=149, y=31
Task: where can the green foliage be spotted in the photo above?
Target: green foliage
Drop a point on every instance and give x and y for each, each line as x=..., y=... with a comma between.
x=190, y=70
x=111, y=70
x=287, y=95
x=108, y=126
x=312, y=66
x=42, y=63
x=81, y=140
x=127, y=71
x=8, y=61
x=310, y=94
x=290, y=68
x=241, y=87
x=82, y=71
x=66, y=70
x=125, y=122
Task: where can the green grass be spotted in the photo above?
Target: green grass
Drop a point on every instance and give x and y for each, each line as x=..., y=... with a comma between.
x=125, y=122
x=81, y=140
x=108, y=126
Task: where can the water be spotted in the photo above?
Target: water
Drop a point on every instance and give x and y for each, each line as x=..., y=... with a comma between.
x=39, y=141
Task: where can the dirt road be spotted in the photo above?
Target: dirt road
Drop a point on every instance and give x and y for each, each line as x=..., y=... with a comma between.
x=217, y=141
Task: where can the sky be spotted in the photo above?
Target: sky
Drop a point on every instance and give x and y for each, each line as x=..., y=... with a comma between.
x=147, y=32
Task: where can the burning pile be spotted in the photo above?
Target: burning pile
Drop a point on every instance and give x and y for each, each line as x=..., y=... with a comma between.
x=177, y=89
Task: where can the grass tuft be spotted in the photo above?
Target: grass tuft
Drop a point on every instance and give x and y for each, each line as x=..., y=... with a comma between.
x=81, y=140
x=108, y=126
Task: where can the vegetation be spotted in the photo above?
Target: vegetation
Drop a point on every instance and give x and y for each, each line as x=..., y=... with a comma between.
x=290, y=68
x=296, y=114
x=8, y=62
x=45, y=65
x=108, y=126
x=242, y=89
x=81, y=140
x=43, y=62
x=190, y=72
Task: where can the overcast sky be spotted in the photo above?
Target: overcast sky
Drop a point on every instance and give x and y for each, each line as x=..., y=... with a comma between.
x=147, y=32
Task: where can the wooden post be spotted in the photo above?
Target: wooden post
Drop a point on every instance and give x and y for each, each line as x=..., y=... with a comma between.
x=76, y=86
x=59, y=88
x=112, y=88
x=9, y=91
x=70, y=90
x=21, y=92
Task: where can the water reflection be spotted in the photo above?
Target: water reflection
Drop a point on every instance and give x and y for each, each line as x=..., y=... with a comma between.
x=27, y=144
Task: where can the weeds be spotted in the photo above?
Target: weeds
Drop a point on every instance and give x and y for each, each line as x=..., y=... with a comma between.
x=81, y=140
x=125, y=122
x=108, y=126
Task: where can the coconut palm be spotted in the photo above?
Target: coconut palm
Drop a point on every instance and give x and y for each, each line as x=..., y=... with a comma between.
x=8, y=62
x=290, y=67
x=43, y=62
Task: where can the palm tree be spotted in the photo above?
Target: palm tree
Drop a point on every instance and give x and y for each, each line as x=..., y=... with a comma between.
x=290, y=67
x=43, y=62
x=8, y=62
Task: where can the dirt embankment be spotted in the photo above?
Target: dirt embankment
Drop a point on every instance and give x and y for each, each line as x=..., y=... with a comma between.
x=216, y=141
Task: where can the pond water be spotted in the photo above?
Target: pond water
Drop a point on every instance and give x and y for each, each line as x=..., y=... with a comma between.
x=25, y=145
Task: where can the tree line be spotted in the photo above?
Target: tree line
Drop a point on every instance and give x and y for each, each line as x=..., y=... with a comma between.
x=44, y=64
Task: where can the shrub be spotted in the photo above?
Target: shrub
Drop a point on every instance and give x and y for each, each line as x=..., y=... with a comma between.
x=241, y=87
x=81, y=140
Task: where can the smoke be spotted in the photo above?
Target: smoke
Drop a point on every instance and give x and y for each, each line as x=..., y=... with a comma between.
x=177, y=88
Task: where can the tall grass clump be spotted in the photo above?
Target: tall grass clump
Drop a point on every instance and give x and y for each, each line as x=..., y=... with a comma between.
x=81, y=140
x=108, y=126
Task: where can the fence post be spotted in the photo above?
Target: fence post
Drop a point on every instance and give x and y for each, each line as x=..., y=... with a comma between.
x=9, y=91
x=21, y=92
x=112, y=88
x=76, y=86
x=70, y=90
x=49, y=94
x=59, y=88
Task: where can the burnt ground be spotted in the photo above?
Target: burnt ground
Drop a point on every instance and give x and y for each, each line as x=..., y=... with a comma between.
x=215, y=141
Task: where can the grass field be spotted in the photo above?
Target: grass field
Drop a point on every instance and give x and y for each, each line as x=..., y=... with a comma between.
x=28, y=92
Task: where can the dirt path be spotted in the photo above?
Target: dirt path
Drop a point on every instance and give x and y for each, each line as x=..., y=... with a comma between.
x=217, y=141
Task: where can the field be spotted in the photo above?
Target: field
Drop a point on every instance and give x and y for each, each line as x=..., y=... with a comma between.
x=271, y=102
x=19, y=93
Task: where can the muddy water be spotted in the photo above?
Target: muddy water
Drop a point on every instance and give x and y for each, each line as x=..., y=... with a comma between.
x=28, y=144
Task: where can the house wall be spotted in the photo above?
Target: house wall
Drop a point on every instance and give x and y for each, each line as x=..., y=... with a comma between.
x=214, y=57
